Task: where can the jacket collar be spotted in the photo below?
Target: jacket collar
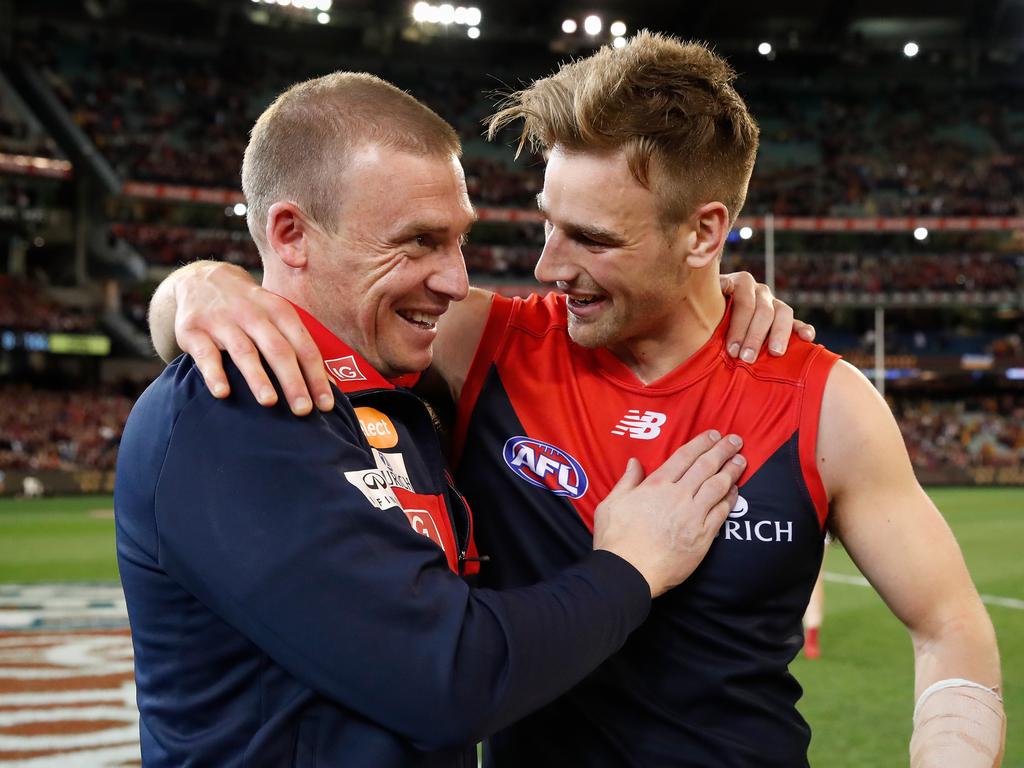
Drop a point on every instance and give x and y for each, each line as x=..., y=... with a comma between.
x=347, y=368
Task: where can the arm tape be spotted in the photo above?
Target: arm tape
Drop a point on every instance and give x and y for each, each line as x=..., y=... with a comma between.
x=958, y=723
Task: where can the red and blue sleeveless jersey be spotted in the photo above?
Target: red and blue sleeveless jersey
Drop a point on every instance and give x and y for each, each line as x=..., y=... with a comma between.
x=544, y=431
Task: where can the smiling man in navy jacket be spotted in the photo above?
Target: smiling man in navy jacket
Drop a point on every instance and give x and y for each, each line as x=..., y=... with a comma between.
x=294, y=585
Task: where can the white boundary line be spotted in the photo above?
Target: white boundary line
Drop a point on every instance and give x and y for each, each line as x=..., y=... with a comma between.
x=860, y=581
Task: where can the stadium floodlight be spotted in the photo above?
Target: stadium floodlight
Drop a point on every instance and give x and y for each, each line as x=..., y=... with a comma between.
x=619, y=42
x=447, y=15
x=921, y=233
x=911, y=49
x=746, y=233
x=239, y=209
x=323, y=5
x=473, y=33
x=420, y=11
x=433, y=14
x=592, y=25
x=618, y=28
x=474, y=16
x=764, y=48
x=460, y=15
x=323, y=18
x=568, y=26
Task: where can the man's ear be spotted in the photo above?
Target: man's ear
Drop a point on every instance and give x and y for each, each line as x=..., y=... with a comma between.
x=709, y=229
x=288, y=233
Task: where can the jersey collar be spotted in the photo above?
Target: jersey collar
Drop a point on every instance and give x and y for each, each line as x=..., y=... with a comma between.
x=686, y=373
x=347, y=368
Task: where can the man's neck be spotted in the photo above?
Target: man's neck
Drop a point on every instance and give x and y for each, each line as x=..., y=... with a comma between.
x=651, y=357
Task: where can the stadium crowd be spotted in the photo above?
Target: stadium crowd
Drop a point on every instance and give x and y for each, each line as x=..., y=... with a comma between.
x=66, y=430
x=25, y=307
x=982, y=431
x=168, y=246
x=880, y=272
x=842, y=145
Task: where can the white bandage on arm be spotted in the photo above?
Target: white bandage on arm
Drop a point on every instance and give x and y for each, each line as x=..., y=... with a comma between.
x=958, y=723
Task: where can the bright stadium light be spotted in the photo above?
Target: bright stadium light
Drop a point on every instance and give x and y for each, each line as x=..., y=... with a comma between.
x=911, y=49
x=568, y=26
x=592, y=25
x=447, y=15
x=764, y=48
x=239, y=209
x=323, y=18
x=323, y=5
x=473, y=33
x=746, y=233
x=618, y=28
x=460, y=15
x=473, y=16
x=420, y=11
x=921, y=233
x=433, y=14
x=619, y=42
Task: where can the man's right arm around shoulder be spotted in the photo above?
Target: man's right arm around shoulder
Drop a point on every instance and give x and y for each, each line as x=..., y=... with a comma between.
x=258, y=520
x=207, y=307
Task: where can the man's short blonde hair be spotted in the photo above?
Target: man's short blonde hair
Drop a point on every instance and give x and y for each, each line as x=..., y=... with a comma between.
x=657, y=98
x=300, y=145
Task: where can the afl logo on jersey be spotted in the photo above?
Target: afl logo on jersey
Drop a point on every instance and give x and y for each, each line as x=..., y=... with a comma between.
x=545, y=466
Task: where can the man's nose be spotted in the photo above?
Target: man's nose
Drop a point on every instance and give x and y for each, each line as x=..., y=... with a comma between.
x=554, y=264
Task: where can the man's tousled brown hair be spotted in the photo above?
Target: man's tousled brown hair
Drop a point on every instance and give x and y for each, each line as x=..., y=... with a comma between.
x=658, y=99
x=299, y=147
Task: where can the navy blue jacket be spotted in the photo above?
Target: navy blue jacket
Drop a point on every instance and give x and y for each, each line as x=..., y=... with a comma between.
x=283, y=615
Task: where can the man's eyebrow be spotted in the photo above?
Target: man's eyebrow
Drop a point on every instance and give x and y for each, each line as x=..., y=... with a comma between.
x=424, y=226
x=595, y=233
x=584, y=231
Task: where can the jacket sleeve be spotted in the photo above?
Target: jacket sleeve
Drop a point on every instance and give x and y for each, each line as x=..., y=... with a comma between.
x=257, y=519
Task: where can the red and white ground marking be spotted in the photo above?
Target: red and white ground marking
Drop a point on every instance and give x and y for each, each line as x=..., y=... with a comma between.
x=67, y=695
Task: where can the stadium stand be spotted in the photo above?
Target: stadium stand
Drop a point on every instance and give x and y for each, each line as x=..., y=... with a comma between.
x=43, y=430
x=24, y=306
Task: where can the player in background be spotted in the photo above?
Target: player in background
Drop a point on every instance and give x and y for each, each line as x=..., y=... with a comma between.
x=814, y=616
x=649, y=152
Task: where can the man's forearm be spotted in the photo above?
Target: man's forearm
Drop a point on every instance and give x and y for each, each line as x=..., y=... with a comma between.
x=962, y=646
x=958, y=717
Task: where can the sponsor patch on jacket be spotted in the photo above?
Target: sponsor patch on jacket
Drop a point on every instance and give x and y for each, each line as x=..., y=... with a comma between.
x=378, y=484
x=345, y=368
x=545, y=466
x=379, y=430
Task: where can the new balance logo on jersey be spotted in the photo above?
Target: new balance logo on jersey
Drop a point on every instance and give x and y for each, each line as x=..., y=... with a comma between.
x=546, y=466
x=737, y=528
x=640, y=426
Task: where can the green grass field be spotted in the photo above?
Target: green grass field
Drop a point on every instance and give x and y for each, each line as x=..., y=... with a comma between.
x=858, y=696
